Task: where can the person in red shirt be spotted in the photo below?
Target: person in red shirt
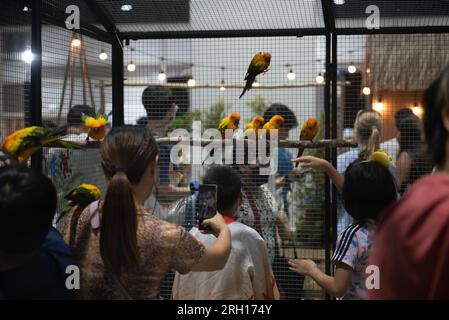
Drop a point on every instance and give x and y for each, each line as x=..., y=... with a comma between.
x=412, y=241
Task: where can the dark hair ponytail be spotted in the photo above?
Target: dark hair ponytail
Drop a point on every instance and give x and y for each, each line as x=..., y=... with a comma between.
x=118, y=238
x=126, y=153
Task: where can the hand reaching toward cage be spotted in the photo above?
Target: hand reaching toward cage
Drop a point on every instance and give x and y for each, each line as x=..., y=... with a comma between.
x=303, y=266
x=318, y=163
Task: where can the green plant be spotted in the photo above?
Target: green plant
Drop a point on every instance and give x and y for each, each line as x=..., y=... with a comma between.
x=210, y=118
x=258, y=106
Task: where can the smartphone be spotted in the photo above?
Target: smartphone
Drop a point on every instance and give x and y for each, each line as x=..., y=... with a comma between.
x=207, y=204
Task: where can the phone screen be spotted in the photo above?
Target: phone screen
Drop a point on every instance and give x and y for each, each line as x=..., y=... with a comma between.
x=207, y=203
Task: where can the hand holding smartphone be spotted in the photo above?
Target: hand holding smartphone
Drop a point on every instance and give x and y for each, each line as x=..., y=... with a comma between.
x=207, y=204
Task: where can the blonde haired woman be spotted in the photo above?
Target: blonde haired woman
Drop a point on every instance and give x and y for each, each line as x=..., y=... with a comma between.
x=367, y=129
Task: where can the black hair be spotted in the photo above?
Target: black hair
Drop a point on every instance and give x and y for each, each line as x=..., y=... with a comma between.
x=368, y=189
x=75, y=114
x=228, y=185
x=27, y=208
x=402, y=114
x=290, y=120
x=142, y=121
x=410, y=133
x=157, y=101
x=435, y=100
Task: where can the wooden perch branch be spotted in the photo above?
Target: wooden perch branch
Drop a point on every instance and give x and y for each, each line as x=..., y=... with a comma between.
x=326, y=143
x=219, y=85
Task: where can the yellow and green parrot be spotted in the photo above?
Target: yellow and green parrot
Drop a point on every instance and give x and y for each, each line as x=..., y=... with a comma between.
x=259, y=64
x=21, y=144
x=309, y=130
x=231, y=122
x=96, y=125
x=275, y=122
x=81, y=196
x=255, y=124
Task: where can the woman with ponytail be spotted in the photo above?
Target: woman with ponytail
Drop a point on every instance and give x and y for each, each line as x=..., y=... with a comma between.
x=124, y=252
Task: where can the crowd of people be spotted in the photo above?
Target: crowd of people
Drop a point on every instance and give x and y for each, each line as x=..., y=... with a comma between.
x=394, y=216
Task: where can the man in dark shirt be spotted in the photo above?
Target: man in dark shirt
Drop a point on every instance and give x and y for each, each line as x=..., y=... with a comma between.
x=33, y=255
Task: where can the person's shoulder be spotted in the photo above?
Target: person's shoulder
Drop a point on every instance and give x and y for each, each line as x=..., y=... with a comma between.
x=244, y=232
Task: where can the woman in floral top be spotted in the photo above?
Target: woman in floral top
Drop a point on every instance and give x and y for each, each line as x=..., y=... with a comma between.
x=122, y=252
x=368, y=189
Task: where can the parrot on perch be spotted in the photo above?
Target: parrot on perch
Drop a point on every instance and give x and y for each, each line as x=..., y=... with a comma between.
x=255, y=124
x=231, y=122
x=259, y=64
x=96, y=126
x=275, y=122
x=22, y=143
x=309, y=130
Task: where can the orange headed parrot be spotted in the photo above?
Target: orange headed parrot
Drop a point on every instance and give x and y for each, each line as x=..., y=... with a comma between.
x=96, y=125
x=22, y=143
x=231, y=122
x=309, y=129
x=275, y=122
x=255, y=124
x=259, y=64
x=82, y=195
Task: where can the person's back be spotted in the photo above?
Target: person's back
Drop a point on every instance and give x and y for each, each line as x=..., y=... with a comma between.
x=162, y=245
x=33, y=255
x=247, y=273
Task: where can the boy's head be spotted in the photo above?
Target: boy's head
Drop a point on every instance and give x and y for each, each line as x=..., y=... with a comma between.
x=158, y=102
x=75, y=114
x=228, y=188
x=368, y=189
x=27, y=207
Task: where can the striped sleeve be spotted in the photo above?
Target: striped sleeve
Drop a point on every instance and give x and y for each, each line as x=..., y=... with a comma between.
x=347, y=246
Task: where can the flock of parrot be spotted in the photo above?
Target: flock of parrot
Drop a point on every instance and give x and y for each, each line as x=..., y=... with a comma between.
x=21, y=144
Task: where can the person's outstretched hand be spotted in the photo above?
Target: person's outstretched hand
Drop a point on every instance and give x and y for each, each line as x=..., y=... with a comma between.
x=303, y=266
x=310, y=162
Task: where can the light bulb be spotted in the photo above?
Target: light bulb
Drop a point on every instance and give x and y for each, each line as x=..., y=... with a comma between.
x=379, y=106
x=76, y=43
x=191, y=82
x=131, y=67
x=366, y=91
x=368, y=70
x=161, y=76
x=103, y=55
x=352, y=68
x=319, y=78
x=27, y=56
x=26, y=9
x=291, y=75
x=126, y=7
x=256, y=84
x=339, y=2
x=417, y=110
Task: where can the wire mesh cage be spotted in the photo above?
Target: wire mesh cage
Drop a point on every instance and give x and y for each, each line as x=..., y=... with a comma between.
x=180, y=64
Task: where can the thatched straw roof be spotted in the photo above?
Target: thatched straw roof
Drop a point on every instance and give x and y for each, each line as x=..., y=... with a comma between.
x=404, y=62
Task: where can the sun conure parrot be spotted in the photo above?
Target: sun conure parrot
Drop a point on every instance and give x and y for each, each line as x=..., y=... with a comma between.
x=275, y=122
x=259, y=64
x=309, y=130
x=380, y=156
x=255, y=124
x=231, y=122
x=22, y=143
x=96, y=125
x=81, y=196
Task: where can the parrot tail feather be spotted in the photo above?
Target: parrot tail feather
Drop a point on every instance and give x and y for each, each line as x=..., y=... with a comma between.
x=300, y=153
x=67, y=144
x=248, y=85
x=59, y=131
